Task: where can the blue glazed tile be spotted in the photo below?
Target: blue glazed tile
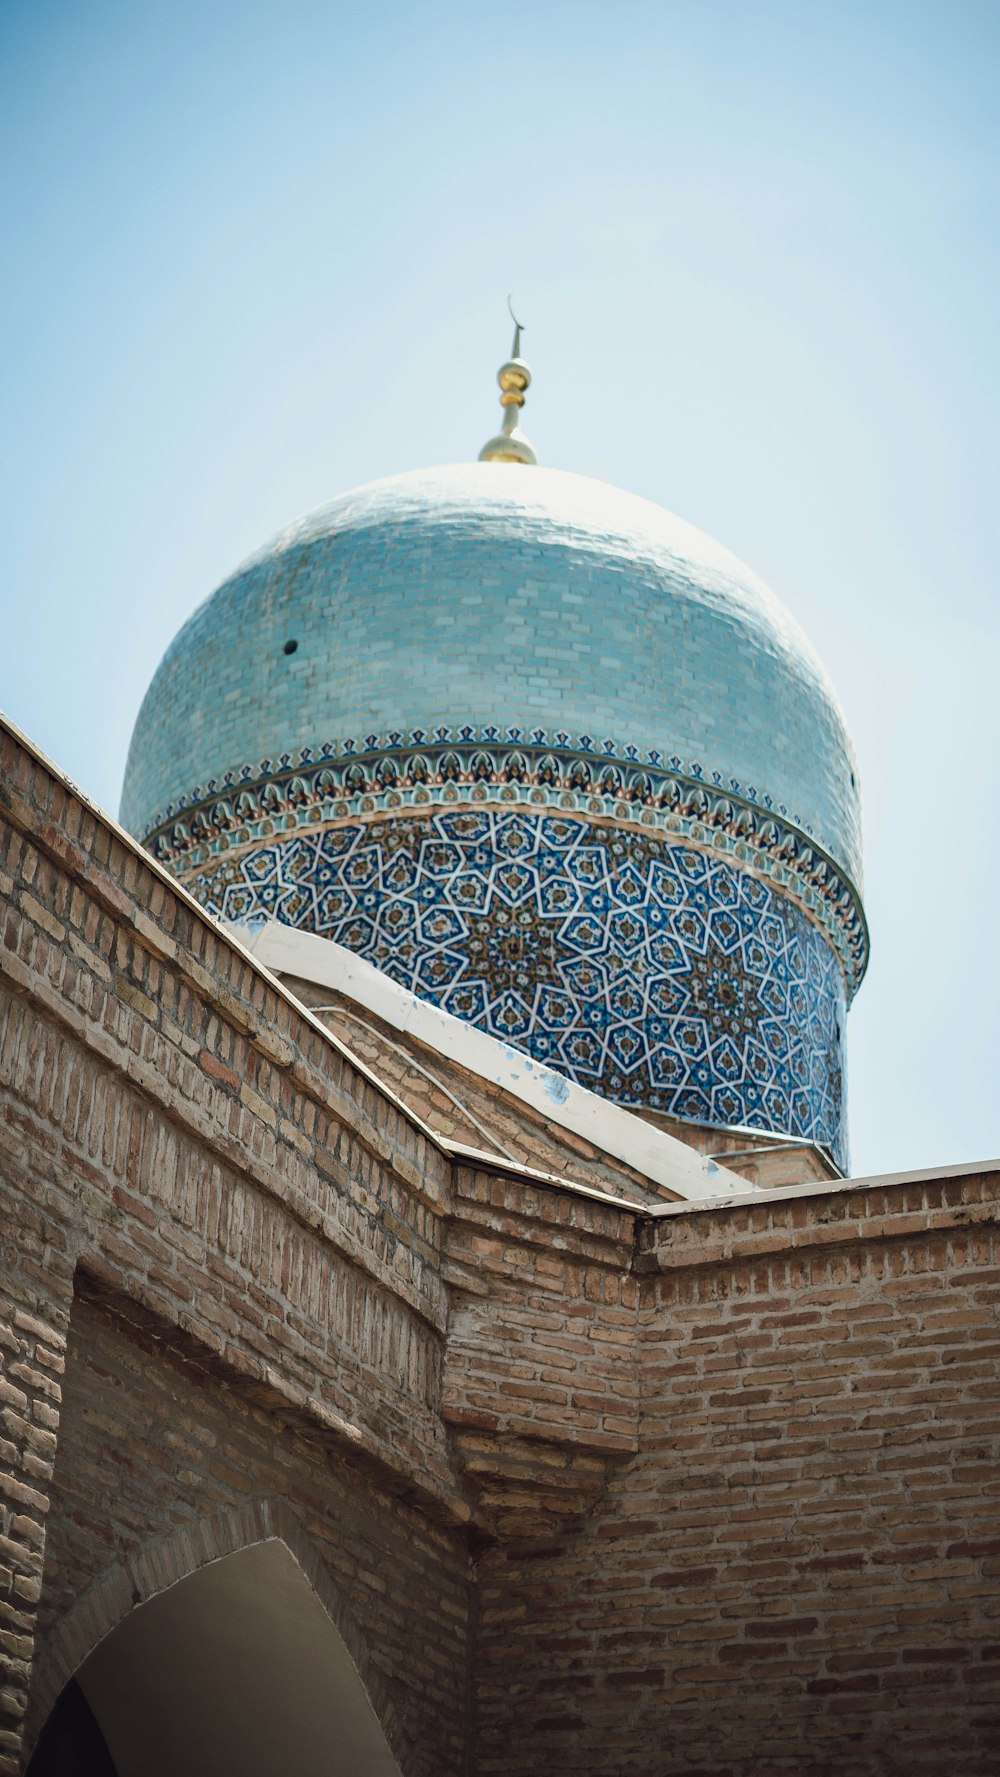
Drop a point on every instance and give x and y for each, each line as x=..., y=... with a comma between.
x=752, y=1018
x=543, y=601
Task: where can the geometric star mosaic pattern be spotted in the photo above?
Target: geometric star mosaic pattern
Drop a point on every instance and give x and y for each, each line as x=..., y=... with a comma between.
x=654, y=973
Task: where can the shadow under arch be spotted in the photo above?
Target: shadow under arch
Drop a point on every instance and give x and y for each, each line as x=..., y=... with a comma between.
x=225, y=1647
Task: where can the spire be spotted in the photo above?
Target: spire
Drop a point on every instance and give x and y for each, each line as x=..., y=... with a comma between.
x=510, y=445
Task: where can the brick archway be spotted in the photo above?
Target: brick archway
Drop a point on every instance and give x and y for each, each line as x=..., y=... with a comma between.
x=163, y=1565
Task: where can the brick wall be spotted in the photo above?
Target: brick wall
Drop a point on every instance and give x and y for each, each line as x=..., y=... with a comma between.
x=800, y=1569
x=665, y=1489
x=31, y=1364
x=182, y=1141
x=180, y=1450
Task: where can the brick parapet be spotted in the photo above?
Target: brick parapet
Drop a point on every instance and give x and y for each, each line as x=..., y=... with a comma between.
x=207, y=1149
x=463, y=1106
x=801, y=1219
x=149, y=910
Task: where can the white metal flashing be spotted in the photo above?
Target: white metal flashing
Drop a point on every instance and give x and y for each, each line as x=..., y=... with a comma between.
x=650, y=1151
x=843, y=1186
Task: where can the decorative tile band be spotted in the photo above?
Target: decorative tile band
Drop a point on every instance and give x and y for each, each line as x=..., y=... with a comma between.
x=386, y=774
x=656, y=973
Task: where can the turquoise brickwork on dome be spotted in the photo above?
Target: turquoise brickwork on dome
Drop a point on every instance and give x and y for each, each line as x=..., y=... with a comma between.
x=548, y=756
x=478, y=595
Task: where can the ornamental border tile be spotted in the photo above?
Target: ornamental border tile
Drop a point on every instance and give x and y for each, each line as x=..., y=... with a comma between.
x=314, y=789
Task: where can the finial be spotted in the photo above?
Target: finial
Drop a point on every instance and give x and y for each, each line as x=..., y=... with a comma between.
x=515, y=351
x=514, y=377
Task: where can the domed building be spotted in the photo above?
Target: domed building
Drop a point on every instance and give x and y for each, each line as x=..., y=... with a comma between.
x=403, y=1371
x=546, y=756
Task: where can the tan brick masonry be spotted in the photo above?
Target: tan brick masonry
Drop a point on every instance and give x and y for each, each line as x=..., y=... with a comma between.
x=588, y=1486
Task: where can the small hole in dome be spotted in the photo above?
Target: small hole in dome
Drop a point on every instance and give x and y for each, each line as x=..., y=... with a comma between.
x=290, y=647
x=854, y=781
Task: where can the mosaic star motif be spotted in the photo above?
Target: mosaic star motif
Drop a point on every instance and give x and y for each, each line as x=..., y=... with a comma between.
x=352, y=779
x=655, y=974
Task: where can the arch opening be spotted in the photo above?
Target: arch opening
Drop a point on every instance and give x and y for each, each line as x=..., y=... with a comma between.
x=235, y=1668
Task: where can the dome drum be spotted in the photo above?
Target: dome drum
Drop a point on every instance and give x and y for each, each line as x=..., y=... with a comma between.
x=376, y=774
x=658, y=974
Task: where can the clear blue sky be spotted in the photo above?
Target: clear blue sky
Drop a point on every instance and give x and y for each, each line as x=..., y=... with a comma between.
x=255, y=254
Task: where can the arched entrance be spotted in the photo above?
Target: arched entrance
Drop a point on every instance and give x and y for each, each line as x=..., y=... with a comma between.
x=235, y=1669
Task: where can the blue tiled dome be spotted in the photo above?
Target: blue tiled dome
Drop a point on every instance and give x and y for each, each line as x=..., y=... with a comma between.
x=546, y=755
x=481, y=596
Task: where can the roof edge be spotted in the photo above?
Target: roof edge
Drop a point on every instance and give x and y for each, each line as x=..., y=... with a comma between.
x=650, y=1151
